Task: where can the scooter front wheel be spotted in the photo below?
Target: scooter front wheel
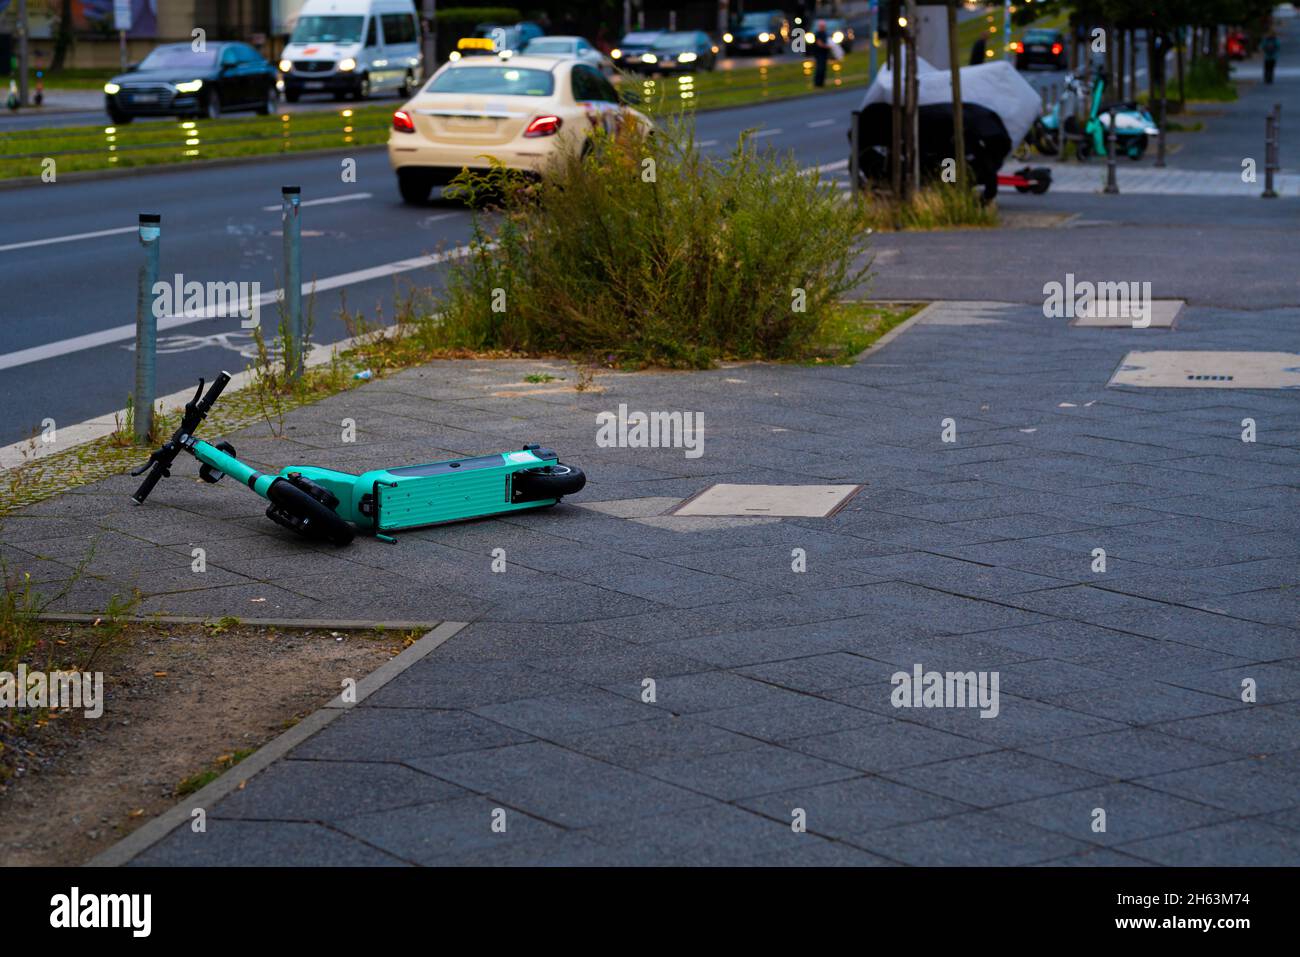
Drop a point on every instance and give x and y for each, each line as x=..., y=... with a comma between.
x=546, y=481
x=299, y=512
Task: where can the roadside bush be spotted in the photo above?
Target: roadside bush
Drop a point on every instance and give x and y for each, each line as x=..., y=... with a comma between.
x=1209, y=79
x=644, y=251
x=935, y=206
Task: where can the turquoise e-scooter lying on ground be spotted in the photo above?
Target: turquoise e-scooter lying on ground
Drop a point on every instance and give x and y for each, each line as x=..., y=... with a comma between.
x=325, y=504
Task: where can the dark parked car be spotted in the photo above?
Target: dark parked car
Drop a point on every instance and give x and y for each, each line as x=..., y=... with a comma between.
x=1041, y=46
x=176, y=80
x=683, y=52
x=763, y=32
x=629, y=50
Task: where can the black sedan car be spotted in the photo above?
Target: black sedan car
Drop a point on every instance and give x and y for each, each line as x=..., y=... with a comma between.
x=1041, y=47
x=176, y=80
x=761, y=32
x=629, y=50
x=683, y=52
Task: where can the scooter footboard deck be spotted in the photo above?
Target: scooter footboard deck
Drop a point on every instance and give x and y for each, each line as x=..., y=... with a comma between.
x=449, y=492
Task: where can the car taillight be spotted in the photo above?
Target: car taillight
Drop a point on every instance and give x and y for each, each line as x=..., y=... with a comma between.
x=1056, y=49
x=1016, y=46
x=544, y=126
x=402, y=122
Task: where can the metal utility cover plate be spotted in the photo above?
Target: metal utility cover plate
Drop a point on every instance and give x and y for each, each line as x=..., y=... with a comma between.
x=785, y=501
x=1163, y=314
x=1209, y=370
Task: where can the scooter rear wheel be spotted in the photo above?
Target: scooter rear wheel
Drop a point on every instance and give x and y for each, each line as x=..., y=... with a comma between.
x=299, y=512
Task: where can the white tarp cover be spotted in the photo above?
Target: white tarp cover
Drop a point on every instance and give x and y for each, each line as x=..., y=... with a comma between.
x=995, y=86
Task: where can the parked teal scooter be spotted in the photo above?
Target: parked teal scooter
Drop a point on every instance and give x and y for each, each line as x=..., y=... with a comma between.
x=325, y=504
x=1134, y=126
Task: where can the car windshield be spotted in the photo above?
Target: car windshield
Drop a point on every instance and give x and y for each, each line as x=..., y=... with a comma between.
x=328, y=30
x=179, y=58
x=1040, y=36
x=549, y=46
x=495, y=80
x=635, y=39
x=758, y=21
x=676, y=42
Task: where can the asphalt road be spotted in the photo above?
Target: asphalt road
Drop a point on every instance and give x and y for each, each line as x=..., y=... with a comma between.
x=68, y=309
x=62, y=285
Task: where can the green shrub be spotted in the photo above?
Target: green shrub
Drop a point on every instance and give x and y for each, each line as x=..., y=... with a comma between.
x=644, y=251
x=472, y=16
x=1208, y=79
x=935, y=206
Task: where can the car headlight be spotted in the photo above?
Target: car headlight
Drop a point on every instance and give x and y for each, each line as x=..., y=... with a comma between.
x=285, y=66
x=453, y=56
x=686, y=57
x=838, y=36
x=727, y=38
x=649, y=58
x=764, y=37
x=347, y=65
x=191, y=86
x=615, y=54
x=1152, y=131
x=111, y=88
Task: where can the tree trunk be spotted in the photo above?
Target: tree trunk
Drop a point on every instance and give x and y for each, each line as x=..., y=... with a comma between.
x=896, y=105
x=62, y=39
x=1182, y=89
x=913, y=177
x=958, y=121
x=1133, y=64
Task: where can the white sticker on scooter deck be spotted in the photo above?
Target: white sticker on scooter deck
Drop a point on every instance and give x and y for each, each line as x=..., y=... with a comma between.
x=517, y=458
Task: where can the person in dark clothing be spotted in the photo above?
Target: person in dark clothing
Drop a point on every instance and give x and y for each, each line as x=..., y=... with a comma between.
x=977, y=54
x=1270, y=47
x=821, y=52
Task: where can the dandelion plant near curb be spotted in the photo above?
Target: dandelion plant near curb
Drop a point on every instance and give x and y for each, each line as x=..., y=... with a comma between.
x=646, y=251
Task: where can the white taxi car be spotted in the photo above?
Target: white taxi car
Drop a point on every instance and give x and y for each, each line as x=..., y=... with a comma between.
x=520, y=112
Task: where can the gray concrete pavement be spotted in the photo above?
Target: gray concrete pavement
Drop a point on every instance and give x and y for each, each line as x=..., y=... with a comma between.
x=1120, y=690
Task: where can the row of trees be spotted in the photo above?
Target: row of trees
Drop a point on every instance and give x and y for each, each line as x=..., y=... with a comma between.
x=1192, y=28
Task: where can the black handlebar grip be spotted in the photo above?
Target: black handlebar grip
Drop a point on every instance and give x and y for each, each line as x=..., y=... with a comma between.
x=153, y=478
x=214, y=391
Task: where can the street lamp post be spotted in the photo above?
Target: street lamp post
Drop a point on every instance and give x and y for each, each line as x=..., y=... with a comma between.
x=1006, y=29
x=430, y=8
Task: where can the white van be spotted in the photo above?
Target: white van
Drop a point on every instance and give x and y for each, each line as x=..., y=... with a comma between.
x=353, y=48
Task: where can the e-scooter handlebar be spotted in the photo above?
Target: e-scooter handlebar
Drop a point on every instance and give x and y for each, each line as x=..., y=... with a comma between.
x=160, y=460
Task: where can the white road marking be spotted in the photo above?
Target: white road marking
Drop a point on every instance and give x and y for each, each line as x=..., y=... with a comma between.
x=325, y=201
x=771, y=132
x=71, y=238
x=705, y=144
x=828, y=167
x=125, y=333
x=123, y=230
x=816, y=123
